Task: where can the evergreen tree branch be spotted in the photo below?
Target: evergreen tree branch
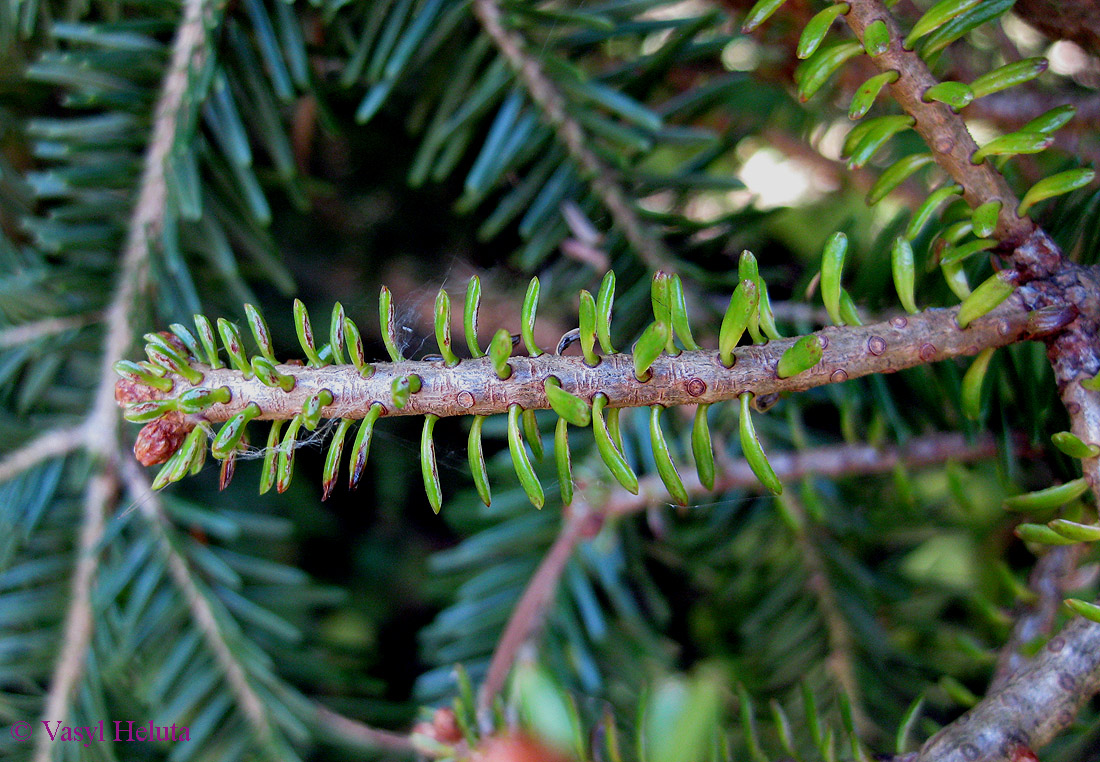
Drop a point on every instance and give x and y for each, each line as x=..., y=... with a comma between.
x=943, y=130
x=584, y=520
x=472, y=387
x=198, y=603
x=530, y=611
x=840, y=661
x=1037, y=704
x=357, y=733
x=147, y=220
x=1056, y=282
x=51, y=444
x=40, y=329
x=541, y=89
x=77, y=632
x=103, y=439
x=1044, y=696
x=1052, y=576
x=834, y=461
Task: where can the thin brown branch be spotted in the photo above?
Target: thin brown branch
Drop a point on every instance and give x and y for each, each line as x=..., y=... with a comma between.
x=1037, y=704
x=472, y=387
x=943, y=130
x=831, y=461
x=51, y=444
x=77, y=632
x=546, y=96
x=355, y=733
x=532, y=605
x=202, y=613
x=15, y=335
x=1052, y=576
x=101, y=429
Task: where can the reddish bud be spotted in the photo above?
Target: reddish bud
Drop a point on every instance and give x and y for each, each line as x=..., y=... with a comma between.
x=159, y=439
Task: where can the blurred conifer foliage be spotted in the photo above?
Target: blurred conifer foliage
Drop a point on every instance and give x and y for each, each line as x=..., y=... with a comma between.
x=831, y=499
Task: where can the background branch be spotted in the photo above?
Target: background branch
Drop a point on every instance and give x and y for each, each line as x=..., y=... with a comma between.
x=544, y=93
x=202, y=613
x=834, y=461
x=1039, y=702
x=102, y=440
x=51, y=444
x=531, y=608
x=1052, y=576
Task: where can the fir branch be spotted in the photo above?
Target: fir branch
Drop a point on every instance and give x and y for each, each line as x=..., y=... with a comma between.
x=943, y=130
x=834, y=461
x=1038, y=703
x=1044, y=696
x=840, y=661
x=1055, y=282
x=1051, y=578
x=531, y=608
x=103, y=439
x=357, y=733
x=202, y=613
x=40, y=329
x=51, y=444
x=541, y=89
x=473, y=388
x=77, y=632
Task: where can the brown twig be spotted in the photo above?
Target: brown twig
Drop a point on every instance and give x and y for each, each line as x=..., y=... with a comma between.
x=1038, y=703
x=356, y=733
x=15, y=335
x=943, y=130
x=832, y=461
x=51, y=444
x=532, y=605
x=546, y=96
x=1074, y=353
x=1051, y=577
x=472, y=387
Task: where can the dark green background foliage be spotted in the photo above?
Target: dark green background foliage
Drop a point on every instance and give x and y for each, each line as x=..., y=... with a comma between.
x=334, y=146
